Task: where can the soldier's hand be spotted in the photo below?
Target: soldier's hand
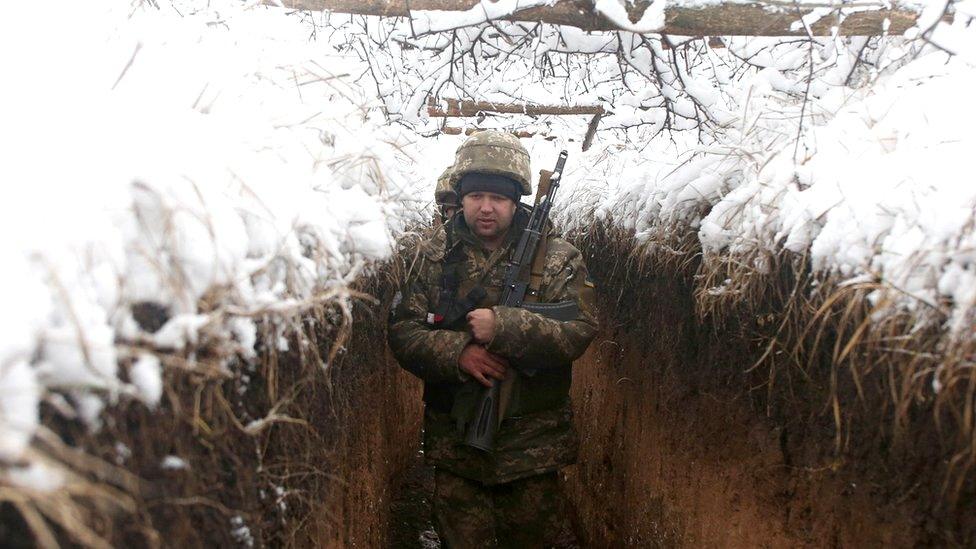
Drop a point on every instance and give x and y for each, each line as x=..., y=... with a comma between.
x=481, y=324
x=481, y=364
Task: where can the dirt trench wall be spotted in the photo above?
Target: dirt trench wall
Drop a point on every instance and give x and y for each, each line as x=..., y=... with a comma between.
x=373, y=420
x=317, y=475
x=664, y=463
x=324, y=482
x=682, y=446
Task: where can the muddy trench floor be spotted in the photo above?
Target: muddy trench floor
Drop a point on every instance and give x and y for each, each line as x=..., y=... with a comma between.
x=410, y=524
x=410, y=511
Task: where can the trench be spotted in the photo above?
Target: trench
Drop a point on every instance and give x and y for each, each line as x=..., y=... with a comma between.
x=668, y=463
x=683, y=446
x=683, y=442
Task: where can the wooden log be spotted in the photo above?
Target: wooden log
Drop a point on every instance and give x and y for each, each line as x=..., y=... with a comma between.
x=460, y=109
x=452, y=130
x=759, y=18
x=591, y=131
x=453, y=108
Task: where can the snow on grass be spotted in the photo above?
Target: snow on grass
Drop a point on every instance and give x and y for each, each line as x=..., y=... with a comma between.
x=215, y=165
x=36, y=476
x=241, y=532
x=878, y=189
x=174, y=463
x=206, y=160
x=146, y=376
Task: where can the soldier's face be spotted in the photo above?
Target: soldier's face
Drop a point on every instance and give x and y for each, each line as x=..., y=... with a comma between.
x=489, y=215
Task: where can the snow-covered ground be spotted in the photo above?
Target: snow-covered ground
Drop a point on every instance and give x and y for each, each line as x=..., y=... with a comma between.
x=228, y=164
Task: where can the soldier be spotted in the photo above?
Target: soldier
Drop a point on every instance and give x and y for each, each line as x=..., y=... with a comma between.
x=508, y=497
x=445, y=195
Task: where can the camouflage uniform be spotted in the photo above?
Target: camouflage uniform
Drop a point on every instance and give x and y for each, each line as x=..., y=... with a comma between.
x=531, y=510
x=479, y=492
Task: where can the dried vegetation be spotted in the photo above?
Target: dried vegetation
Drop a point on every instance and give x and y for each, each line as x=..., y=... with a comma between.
x=895, y=395
x=296, y=449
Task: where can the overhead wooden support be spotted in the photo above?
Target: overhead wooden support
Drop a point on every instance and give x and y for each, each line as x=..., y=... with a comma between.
x=451, y=130
x=761, y=18
x=452, y=108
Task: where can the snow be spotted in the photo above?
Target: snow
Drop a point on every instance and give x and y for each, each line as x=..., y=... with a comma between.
x=122, y=453
x=428, y=21
x=240, y=531
x=651, y=19
x=207, y=159
x=878, y=188
x=19, y=398
x=883, y=192
x=212, y=160
x=147, y=378
x=173, y=463
x=37, y=476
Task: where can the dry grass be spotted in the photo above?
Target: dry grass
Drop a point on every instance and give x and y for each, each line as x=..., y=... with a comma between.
x=817, y=339
x=267, y=443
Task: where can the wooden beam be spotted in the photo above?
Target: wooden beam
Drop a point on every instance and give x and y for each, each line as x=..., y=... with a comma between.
x=453, y=108
x=759, y=18
x=459, y=109
x=452, y=130
x=591, y=131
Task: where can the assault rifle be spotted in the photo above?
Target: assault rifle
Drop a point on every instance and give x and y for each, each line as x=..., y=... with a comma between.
x=484, y=423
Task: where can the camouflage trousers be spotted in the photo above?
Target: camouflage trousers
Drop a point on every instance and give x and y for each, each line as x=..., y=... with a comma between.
x=525, y=513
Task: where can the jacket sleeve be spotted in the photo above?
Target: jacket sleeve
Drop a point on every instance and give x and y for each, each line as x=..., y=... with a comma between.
x=537, y=341
x=432, y=355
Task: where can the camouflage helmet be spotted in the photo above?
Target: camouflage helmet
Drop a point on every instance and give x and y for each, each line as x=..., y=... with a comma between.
x=494, y=152
x=444, y=193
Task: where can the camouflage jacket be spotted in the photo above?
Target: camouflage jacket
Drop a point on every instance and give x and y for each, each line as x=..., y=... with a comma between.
x=536, y=434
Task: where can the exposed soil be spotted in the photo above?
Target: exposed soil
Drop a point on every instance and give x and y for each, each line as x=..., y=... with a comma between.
x=378, y=429
x=369, y=430
x=664, y=464
x=683, y=446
